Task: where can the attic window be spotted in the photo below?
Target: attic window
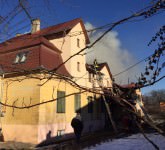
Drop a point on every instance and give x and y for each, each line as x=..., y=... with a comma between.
x=20, y=57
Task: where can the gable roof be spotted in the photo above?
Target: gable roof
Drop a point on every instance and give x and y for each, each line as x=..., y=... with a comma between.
x=44, y=33
x=91, y=69
x=43, y=54
x=60, y=28
x=21, y=43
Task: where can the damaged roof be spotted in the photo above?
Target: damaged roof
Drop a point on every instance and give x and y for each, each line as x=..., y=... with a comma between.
x=91, y=69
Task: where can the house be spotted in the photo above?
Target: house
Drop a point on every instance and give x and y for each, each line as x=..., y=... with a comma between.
x=162, y=106
x=37, y=98
x=133, y=95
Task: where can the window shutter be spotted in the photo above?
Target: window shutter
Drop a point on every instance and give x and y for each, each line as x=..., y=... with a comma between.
x=60, y=102
x=77, y=102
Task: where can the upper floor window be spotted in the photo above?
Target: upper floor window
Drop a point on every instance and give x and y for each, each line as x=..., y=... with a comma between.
x=20, y=57
x=78, y=42
x=78, y=66
x=90, y=77
x=108, y=84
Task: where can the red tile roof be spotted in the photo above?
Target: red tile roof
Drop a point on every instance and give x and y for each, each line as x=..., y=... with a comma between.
x=63, y=27
x=46, y=32
x=42, y=53
x=21, y=43
x=126, y=86
x=38, y=57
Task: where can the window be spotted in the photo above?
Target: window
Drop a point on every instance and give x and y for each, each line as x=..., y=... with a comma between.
x=60, y=132
x=108, y=84
x=17, y=59
x=97, y=107
x=77, y=102
x=90, y=77
x=78, y=42
x=102, y=104
x=60, y=102
x=78, y=66
x=23, y=58
x=90, y=104
x=20, y=57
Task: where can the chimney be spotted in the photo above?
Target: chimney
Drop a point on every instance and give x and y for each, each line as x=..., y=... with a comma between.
x=35, y=25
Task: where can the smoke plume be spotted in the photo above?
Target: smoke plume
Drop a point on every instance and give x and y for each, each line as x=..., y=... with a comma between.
x=110, y=50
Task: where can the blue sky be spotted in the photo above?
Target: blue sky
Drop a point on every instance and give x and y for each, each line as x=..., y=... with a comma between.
x=134, y=35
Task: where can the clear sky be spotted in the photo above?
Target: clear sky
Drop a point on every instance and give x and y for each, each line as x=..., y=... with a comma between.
x=133, y=35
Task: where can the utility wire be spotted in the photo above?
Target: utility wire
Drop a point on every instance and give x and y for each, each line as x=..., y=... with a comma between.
x=24, y=8
x=131, y=66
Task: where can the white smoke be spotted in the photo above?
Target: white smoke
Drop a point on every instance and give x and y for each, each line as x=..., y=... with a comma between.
x=110, y=50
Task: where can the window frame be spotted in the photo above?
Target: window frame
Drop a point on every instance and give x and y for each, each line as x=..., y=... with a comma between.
x=19, y=56
x=61, y=102
x=77, y=102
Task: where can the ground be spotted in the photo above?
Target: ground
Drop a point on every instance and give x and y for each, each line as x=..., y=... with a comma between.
x=134, y=142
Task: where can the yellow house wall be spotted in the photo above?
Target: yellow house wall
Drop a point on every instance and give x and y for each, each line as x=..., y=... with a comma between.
x=64, y=45
x=107, y=81
x=50, y=120
x=32, y=125
x=1, y=92
x=68, y=46
x=79, y=58
x=20, y=124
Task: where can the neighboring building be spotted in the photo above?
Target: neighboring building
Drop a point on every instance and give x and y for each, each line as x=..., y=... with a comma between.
x=162, y=106
x=105, y=74
x=134, y=96
x=27, y=61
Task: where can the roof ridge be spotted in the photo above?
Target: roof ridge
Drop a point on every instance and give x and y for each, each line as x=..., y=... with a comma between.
x=76, y=19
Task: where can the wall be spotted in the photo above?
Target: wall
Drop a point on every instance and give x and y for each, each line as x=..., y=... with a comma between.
x=68, y=46
x=33, y=124
x=20, y=124
x=107, y=81
x=140, y=102
x=64, y=45
x=50, y=120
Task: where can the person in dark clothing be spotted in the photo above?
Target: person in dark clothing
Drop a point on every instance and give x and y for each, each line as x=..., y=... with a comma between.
x=77, y=125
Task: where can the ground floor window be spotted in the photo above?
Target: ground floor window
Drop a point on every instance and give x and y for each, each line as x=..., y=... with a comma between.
x=77, y=102
x=60, y=101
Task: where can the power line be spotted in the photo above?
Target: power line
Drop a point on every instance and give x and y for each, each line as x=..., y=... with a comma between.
x=25, y=9
x=131, y=66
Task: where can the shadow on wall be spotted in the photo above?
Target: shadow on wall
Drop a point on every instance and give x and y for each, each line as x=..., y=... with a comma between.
x=93, y=118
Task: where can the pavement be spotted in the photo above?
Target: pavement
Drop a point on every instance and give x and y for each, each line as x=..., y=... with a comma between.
x=11, y=145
